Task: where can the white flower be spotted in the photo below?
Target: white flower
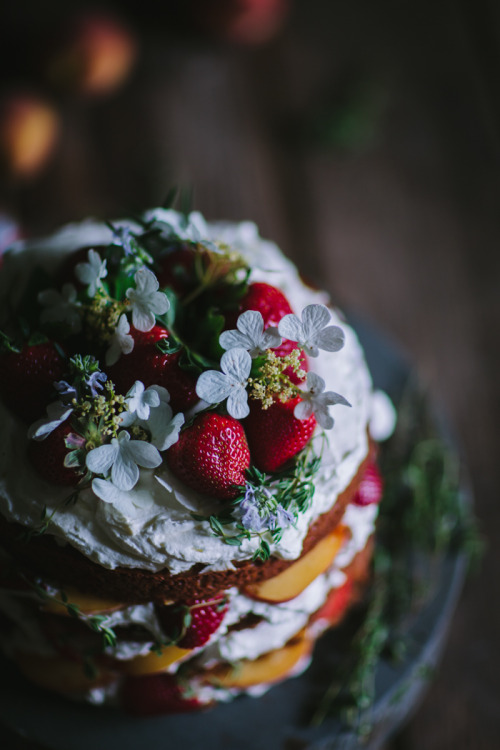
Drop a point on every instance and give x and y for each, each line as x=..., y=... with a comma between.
x=121, y=342
x=312, y=332
x=61, y=307
x=145, y=300
x=92, y=272
x=139, y=401
x=214, y=386
x=251, y=335
x=57, y=413
x=123, y=457
x=150, y=409
x=316, y=401
x=128, y=504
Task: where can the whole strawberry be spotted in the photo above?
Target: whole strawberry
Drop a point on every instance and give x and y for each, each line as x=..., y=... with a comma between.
x=176, y=270
x=152, y=367
x=47, y=456
x=275, y=436
x=154, y=694
x=211, y=456
x=371, y=487
x=27, y=379
x=204, y=618
x=272, y=305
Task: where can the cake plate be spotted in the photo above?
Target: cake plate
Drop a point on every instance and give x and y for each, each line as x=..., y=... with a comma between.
x=278, y=720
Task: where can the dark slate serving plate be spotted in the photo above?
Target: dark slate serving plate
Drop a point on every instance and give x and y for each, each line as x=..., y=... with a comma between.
x=278, y=719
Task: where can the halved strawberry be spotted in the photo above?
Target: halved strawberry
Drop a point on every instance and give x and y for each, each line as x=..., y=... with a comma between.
x=371, y=487
x=149, y=365
x=205, y=616
x=211, y=455
x=275, y=436
x=154, y=694
x=47, y=456
x=27, y=379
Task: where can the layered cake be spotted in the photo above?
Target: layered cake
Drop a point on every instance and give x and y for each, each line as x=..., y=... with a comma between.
x=188, y=476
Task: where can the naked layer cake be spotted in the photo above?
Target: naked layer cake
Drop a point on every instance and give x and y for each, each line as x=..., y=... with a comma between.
x=188, y=477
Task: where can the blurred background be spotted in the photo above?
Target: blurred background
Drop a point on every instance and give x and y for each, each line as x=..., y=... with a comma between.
x=363, y=137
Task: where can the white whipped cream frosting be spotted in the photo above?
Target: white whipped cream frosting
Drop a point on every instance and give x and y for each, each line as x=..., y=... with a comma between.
x=157, y=531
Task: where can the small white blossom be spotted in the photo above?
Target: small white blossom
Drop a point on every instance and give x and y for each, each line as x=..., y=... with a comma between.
x=214, y=386
x=92, y=272
x=121, y=341
x=145, y=300
x=129, y=504
x=123, y=457
x=57, y=413
x=157, y=415
x=61, y=307
x=312, y=333
x=140, y=400
x=316, y=401
x=251, y=335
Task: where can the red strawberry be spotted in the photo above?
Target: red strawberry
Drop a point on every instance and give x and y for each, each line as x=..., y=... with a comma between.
x=371, y=488
x=211, y=456
x=27, y=379
x=154, y=694
x=206, y=616
x=177, y=270
x=147, y=364
x=272, y=305
x=336, y=604
x=47, y=456
x=275, y=435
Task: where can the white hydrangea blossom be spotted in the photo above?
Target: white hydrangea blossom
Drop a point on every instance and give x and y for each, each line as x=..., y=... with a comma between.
x=122, y=458
x=145, y=300
x=150, y=408
x=214, y=386
x=92, y=272
x=312, y=333
x=121, y=341
x=316, y=401
x=57, y=413
x=61, y=307
x=251, y=335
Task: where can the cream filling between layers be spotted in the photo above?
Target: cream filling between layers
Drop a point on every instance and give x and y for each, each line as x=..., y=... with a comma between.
x=154, y=528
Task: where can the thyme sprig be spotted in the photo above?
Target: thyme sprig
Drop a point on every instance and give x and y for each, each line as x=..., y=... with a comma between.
x=423, y=520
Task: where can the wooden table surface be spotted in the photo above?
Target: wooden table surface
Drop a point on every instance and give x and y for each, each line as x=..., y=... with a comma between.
x=399, y=219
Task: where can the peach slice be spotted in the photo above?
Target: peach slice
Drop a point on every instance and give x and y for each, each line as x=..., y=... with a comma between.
x=294, y=579
x=59, y=674
x=88, y=604
x=154, y=662
x=268, y=668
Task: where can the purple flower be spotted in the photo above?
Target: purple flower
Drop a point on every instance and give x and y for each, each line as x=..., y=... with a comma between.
x=259, y=511
x=95, y=382
x=66, y=391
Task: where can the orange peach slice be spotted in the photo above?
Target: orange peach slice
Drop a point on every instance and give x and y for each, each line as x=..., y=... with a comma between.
x=292, y=581
x=271, y=667
x=154, y=662
x=88, y=604
x=59, y=674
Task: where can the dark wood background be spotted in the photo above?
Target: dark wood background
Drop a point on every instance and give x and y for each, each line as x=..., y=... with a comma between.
x=399, y=220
